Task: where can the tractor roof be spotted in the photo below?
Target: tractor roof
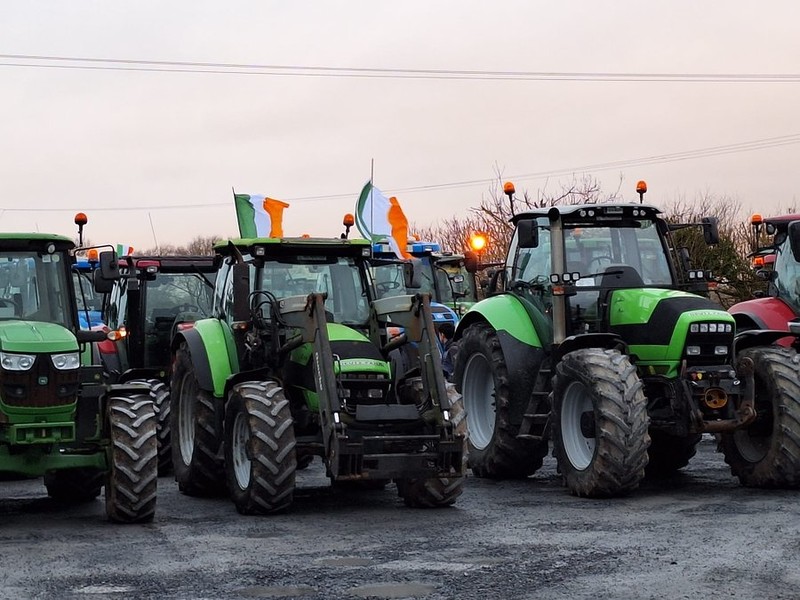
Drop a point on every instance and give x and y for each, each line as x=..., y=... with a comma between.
x=280, y=246
x=588, y=213
x=24, y=241
x=173, y=263
x=782, y=221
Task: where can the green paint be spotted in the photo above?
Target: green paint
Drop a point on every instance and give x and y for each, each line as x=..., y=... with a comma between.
x=215, y=342
x=509, y=313
x=36, y=337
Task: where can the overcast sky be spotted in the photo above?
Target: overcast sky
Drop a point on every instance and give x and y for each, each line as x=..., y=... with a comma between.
x=123, y=144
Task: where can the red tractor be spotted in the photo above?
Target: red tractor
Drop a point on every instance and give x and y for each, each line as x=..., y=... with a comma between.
x=776, y=255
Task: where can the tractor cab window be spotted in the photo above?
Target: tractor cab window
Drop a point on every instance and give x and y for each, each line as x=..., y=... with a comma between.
x=35, y=287
x=389, y=280
x=787, y=276
x=340, y=278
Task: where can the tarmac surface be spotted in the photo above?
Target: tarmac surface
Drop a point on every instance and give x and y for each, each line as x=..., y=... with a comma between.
x=698, y=533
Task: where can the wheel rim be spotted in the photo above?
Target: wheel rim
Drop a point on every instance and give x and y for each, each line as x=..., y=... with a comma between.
x=241, y=463
x=578, y=448
x=479, y=400
x=186, y=412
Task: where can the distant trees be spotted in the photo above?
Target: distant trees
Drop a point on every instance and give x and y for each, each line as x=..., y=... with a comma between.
x=198, y=246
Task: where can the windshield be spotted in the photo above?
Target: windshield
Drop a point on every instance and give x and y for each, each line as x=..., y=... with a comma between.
x=35, y=287
x=339, y=277
x=591, y=250
x=439, y=280
x=170, y=294
x=787, y=276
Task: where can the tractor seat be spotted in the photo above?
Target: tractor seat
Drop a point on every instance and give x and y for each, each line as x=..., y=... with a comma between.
x=621, y=276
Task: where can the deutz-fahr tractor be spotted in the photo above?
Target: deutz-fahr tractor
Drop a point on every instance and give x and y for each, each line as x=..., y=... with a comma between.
x=58, y=418
x=294, y=364
x=593, y=342
x=155, y=297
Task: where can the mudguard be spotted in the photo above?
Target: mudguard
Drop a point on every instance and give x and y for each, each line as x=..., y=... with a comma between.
x=504, y=312
x=763, y=313
x=213, y=355
x=522, y=347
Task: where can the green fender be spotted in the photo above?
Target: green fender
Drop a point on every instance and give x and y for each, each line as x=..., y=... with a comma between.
x=508, y=313
x=213, y=353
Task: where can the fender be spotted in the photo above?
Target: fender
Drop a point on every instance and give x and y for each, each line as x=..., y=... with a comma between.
x=607, y=341
x=521, y=344
x=143, y=373
x=209, y=352
x=504, y=312
x=764, y=313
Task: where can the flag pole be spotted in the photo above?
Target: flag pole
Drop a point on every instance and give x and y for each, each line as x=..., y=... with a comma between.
x=371, y=201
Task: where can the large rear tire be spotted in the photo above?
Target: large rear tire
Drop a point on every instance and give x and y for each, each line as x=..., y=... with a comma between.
x=73, y=486
x=599, y=423
x=481, y=376
x=132, y=476
x=260, y=455
x=436, y=492
x=195, y=430
x=668, y=453
x=766, y=454
x=159, y=393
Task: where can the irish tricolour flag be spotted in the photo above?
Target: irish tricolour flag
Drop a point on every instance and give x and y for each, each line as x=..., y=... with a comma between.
x=379, y=218
x=259, y=216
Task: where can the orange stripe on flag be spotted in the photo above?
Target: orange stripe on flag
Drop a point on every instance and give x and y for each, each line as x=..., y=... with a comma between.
x=274, y=208
x=399, y=224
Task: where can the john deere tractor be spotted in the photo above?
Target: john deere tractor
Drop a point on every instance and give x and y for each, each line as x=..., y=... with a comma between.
x=294, y=364
x=591, y=341
x=58, y=419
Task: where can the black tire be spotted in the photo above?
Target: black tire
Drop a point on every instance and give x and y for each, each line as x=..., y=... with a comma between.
x=436, y=492
x=600, y=423
x=260, y=455
x=668, y=453
x=73, y=486
x=766, y=454
x=481, y=376
x=159, y=393
x=132, y=476
x=196, y=431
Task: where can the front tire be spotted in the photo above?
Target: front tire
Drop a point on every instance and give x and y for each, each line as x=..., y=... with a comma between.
x=600, y=423
x=132, y=476
x=436, y=492
x=482, y=378
x=159, y=393
x=260, y=455
x=766, y=454
x=195, y=430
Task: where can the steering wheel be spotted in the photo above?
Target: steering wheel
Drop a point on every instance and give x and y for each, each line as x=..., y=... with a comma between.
x=12, y=304
x=385, y=286
x=598, y=260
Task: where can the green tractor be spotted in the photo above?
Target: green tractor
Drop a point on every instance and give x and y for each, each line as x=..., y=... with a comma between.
x=58, y=419
x=592, y=340
x=295, y=364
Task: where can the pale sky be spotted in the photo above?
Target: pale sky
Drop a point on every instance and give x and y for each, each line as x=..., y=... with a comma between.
x=91, y=139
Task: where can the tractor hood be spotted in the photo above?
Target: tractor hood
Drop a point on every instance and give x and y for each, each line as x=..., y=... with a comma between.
x=658, y=324
x=352, y=350
x=35, y=337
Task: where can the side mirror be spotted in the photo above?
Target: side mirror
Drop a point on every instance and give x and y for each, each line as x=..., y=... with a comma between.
x=411, y=276
x=794, y=239
x=528, y=233
x=471, y=261
x=101, y=284
x=109, y=266
x=710, y=230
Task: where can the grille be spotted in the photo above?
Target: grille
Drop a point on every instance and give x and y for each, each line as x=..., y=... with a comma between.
x=707, y=340
x=40, y=386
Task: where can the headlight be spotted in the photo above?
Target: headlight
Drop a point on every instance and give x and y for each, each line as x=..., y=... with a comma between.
x=66, y=361
x=693, y=350
x=720, y=350
x=16, y=362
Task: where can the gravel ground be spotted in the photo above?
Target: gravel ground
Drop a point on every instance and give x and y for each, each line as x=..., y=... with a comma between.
x=697, y=533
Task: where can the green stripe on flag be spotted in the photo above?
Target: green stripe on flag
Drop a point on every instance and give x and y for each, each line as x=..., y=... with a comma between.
x=245, y=215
